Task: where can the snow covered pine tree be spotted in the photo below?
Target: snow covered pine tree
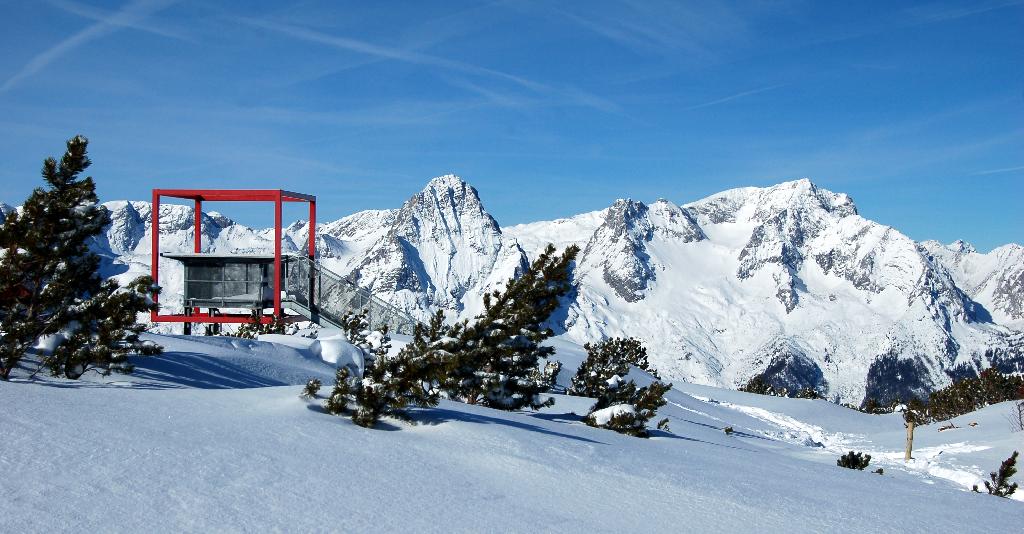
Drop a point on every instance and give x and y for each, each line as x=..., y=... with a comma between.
x=255, y=328
x=372, y=343
x=51, y=295
x=626, y=409
x=621, y=406
x=608, y=360
x=1000, y=485
x=390, y=383
x=498, y=355
x=854, y=460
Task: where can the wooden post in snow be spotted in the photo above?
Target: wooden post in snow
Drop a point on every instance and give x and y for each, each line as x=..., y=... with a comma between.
x=913, y=412
x=910, y=441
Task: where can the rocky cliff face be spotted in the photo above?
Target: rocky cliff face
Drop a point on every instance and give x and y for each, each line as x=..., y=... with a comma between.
x=787, y=280
x=618, y=248
x=441, y=247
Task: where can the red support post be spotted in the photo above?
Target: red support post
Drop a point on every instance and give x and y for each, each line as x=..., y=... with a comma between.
x=198, y=226
x=277, y=256
x=312, y=230
x=154, y=231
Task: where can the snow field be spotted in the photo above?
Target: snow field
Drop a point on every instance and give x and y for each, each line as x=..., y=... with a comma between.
x=212, y=436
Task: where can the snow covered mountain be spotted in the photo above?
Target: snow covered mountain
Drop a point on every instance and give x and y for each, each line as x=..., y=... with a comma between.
x=788, y=280
x=441, y=251
x=995, y=280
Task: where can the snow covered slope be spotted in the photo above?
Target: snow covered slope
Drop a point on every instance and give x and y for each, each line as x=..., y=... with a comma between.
x=207, y=438
x=787, y=280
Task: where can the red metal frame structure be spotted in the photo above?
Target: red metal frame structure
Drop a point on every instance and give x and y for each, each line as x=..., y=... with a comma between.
x=277, y=196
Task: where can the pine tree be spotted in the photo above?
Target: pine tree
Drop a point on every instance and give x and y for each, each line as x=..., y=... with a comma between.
x=548, y=376
x=626, y=409
x=357, y=329
x=311, y=389
x=256, y=327
x=759, y=385
x=498, y=355
x=391, y=384
x=872, y=406
x=974, y=393
x=337, y=401
x=394, y=383
x=106, y=332
x=1000, y=485
x=854, y=460
x=607, y=364
x=808, y=393
x=621, y=406
x=372, y=343
x=49, y=279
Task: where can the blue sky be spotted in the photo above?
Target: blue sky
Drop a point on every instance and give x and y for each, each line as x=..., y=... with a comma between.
x=548, y=108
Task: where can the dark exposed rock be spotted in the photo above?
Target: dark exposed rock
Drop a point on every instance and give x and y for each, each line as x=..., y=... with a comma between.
x=891, y=378
x=792, y=370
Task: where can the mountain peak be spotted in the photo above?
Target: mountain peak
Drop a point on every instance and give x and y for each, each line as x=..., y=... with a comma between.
x=219, y=219
x=961, y=246
x=804, y=193
x=799, y=183
x=627, y=203
x=441, y=246
x=447, y=181
x=450, y=201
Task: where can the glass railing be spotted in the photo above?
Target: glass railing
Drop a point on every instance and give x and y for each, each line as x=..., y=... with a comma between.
x=328, y=295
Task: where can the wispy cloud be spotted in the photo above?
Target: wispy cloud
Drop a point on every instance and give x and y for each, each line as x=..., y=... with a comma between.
x=999, y=171
x=127, y=16
x=662, y=27
x=99, y=15
x=736, y=96
x=940, y=13
x=395, y=113
x=426, y=34
x=415, y=57
x=496, y=98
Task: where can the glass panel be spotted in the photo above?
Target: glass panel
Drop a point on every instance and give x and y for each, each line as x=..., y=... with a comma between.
x=204, y=272
x=241, y=283
x=333, y=296
x=232, y=290
x=235, y=271
x=197, y=290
